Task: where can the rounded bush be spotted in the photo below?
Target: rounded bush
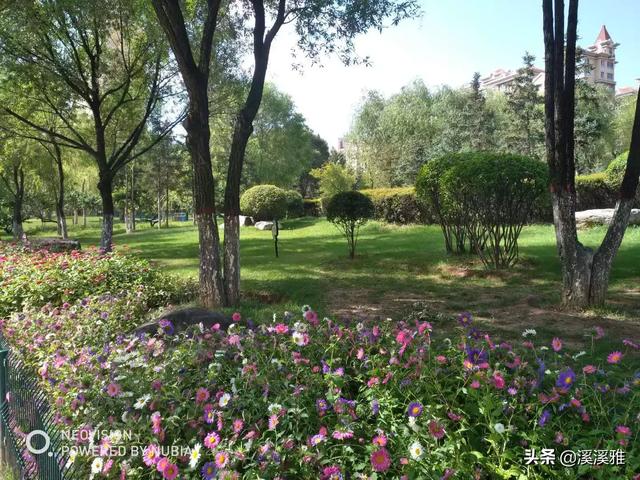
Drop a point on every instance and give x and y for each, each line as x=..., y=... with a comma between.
x=615, y=170
x=349, y=206
x=295, y=204
x=264, y=202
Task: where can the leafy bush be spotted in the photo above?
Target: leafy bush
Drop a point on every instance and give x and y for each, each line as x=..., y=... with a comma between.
x=36, y=278
x=295, y=204
x=333, y=178
x=615, y=170
x=495, y=195
x=264, y=202
x=398, y=205
x=300, y=397
x=312, y=207
x=594, y=191
x=349, y=211
x=428, y=192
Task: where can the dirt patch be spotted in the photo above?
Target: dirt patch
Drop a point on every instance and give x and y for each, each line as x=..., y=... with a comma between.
x=490, y=307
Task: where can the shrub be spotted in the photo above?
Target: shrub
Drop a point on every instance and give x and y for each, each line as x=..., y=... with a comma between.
x=495, y=194
x=333, y=178
x=305, y=398
x=398, y=205
x=428, y=192
x=349, y=211
x=594, y=191
x=295, y=204
x=615, y=170
x=264, y=202
x=312, y=207
x=36, y=278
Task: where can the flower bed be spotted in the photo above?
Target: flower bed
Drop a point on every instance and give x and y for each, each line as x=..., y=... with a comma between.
x=300, y=397
x=36, y=278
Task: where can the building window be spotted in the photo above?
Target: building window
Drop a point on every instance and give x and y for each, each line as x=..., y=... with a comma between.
x=602, y=63
x=610, y=64
x=601, y=74
x=610, y=76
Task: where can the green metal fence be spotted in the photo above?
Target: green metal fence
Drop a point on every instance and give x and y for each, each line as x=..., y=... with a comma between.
x=30, y=442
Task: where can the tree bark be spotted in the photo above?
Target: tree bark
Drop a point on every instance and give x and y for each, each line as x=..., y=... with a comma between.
x=585, y=272
x=105, y=187
x=166, y=207
x=18, y=181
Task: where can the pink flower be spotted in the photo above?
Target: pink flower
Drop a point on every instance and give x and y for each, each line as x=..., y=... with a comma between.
x=623, y=430
x=273, y=422
x=441, y=359
x=311, y=317
x=556, y=344
x=202, y=395
x=238, y=424
x=498, y=380
x=281, y=329
x=113, y=389
x=236, y=317
x=151, y=455
x=156, y=421
x=475, y=384
x=212, y=440
x=162, y=464
x=589, y=369
x=373, y=381
x=380, y=460
x=614, y=357
x=380, y=440
x=403, y=337
x=170, y=472
x=436, y=430
x=221, y=459
x=234, y=340
x=599, y=333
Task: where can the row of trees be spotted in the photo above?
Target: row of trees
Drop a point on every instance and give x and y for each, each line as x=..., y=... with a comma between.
x=391, y=138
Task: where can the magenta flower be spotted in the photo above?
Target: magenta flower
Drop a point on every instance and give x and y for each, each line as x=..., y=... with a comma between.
x=202, y=395
x=623, y=430
x=221, y=459
x=556, y=344
x=170, y=472
x=113, y=390
x=162, y=464
x=151, y=455
x=236, y=317
x=380, y=460
x=212, y=440
x=614, y=357
x=380, y=440
x=436, y=430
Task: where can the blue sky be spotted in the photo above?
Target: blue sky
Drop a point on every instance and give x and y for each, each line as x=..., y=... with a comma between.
x=451, y=41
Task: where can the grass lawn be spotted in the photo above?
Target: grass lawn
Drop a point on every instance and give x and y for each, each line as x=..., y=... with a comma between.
x=396, y=266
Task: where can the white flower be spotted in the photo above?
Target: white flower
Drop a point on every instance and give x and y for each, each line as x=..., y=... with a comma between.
x=300, y=327
x=115, y=437
x=73, y=453
x=142, y=402
x=195, y=455
x=529, y=332
x=96, y=465
x=499, y=427
x=416, y=451
x=298, y=338
x=274, y=408
x=224, y=400
x=579, y=354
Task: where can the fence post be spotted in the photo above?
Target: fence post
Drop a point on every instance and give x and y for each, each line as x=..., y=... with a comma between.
x=3, y=398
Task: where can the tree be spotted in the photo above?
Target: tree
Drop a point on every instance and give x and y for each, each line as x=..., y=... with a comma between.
x=308, y=184
x=524, y=104
x=113, y=78
x=349, y=211
x=333, y=178
x=585, y=272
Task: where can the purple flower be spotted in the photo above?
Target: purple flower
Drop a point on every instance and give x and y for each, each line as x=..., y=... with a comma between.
x=166, y=326
x=544, y=418
x=209, y=471
x=476, y=356
x=322, y=405
x=566, y=378
x=415, y=409
x=375, y=407
x=465, y=319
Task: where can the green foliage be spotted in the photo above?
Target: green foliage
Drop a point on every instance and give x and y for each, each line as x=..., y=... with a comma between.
x=428, y=192
x=312, y=207
x=349, y=211
x=615, y=170
x=295, y=204
x=264, y=202
x=594, y=191
x=333, y=178
x=495, y=195
x=398, y=205
x=33, y=279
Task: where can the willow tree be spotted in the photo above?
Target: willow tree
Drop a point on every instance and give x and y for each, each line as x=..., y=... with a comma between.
x=107, y=61
x=585, y=271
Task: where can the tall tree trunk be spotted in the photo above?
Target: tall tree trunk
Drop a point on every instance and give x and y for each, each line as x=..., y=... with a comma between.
x=133, y=197
x=18, y=183
x=197, y=125
x=166, y=207
x=159, y=206
x=127, y=202
x=585, y=272
x=62, y=220
x=105, y=187
x=84, y=209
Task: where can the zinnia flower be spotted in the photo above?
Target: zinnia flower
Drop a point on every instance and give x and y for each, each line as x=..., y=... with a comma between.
x=380, y=460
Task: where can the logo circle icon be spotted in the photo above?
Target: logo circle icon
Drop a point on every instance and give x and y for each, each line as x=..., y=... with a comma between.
x=31, y=448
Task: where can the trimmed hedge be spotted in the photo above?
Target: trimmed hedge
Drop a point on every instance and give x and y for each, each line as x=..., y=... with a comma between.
x=295, y=204
x=264, y=202
x=312, y=207
x=398, y=205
